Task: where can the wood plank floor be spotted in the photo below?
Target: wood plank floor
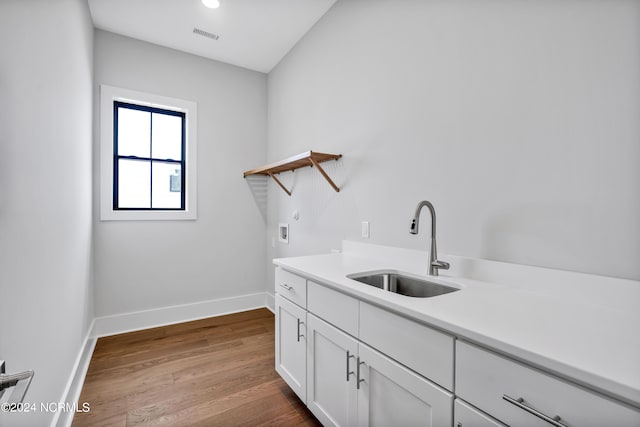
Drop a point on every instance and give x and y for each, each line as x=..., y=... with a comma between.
x=211, y=372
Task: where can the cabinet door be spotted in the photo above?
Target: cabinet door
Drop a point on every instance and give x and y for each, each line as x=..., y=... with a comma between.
x=331, y=379
x=467, y=416
x=391, y=395
x=291, y=353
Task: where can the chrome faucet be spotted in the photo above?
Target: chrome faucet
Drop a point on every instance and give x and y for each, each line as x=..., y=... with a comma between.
x=434, y=264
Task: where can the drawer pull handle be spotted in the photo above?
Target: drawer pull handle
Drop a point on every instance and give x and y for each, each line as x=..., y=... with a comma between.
x=519, y=402
x=287, y=287
x=299, y=334
x=349, y=356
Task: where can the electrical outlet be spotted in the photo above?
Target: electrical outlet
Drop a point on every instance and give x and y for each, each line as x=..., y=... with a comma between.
x=365, y=229
x=283, y=233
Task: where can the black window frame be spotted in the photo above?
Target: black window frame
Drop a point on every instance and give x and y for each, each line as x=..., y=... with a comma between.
x=151, y=160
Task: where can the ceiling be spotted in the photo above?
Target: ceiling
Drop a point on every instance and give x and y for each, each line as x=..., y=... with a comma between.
x=254, y=34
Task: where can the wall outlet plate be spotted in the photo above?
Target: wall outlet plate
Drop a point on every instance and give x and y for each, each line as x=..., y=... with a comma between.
x=365, y=229
x=283, y=233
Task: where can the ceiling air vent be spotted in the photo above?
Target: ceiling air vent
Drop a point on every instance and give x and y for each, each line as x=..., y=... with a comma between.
x=204, y=33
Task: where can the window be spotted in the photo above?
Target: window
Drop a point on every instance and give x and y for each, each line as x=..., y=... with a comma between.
x=147, y=156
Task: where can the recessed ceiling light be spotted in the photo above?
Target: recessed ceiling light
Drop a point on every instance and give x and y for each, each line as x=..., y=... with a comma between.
x=211, y=4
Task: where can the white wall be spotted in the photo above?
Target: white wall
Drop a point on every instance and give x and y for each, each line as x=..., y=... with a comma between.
x=518, y=119
x=45, y=193
x=153, y=264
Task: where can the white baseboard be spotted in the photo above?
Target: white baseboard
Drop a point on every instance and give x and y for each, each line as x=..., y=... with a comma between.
x=135, y=321
x=271, y=302
x=76, y=380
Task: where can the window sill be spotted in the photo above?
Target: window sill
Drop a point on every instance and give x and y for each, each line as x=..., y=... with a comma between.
x=159, y=215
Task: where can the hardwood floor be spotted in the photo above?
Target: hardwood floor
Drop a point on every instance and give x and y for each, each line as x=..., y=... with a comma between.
x=211, y=372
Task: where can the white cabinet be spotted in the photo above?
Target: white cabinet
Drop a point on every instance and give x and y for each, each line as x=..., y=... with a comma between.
x=292, y=287
x=351, y=384
x=334, y=307
x=291, y=345
x=331, y=374
x=519, y=395
x=419, y=347
x=357, y=364
x=347, y=383
x=392, y=395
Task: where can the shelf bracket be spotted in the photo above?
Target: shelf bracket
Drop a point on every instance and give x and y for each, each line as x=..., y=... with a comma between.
x=279, y=183
x=324, y=174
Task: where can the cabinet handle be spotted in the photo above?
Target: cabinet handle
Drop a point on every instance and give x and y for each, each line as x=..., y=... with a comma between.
x=358, y=379
x=519, y=402
x=349, y=356
x=299, y=334
x=287, y=287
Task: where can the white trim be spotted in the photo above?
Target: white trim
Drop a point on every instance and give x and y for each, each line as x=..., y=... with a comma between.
x=74, y=385
x=135, y=321
x=107, y=95
x=271, y=302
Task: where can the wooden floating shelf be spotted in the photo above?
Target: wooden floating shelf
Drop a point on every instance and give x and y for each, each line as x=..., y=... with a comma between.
x=308, y=158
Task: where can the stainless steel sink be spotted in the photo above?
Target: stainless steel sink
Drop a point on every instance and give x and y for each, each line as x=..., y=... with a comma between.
x=402, y=284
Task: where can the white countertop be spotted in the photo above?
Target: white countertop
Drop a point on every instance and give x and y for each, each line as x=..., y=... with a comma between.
x=582, y=327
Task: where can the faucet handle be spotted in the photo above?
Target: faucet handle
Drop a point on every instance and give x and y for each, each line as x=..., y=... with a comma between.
x=441, y=265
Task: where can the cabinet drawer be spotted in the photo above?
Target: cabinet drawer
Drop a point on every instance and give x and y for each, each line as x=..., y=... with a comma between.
x=292, y=287
x=419, y=347
x=334, y=307
x=487, y=380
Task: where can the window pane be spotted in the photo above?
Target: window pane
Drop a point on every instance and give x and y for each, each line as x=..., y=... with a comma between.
x=167, y=137
x=134, y=137
x=167, y=180
x=134, y=184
